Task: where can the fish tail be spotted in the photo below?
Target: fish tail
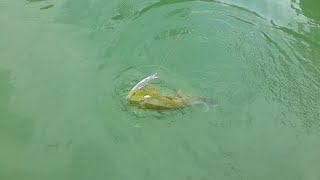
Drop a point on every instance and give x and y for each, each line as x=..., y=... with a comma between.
x=205, y=103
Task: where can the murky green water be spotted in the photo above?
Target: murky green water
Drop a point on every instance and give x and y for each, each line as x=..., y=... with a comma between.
x=65, y=67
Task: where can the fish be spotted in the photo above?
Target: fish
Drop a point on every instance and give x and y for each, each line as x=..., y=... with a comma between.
x=152, y=99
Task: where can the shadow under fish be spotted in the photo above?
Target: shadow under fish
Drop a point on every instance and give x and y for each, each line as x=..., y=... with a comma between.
x=152, y=99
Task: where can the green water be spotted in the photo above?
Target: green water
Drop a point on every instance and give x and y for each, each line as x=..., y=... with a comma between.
x=65, y=68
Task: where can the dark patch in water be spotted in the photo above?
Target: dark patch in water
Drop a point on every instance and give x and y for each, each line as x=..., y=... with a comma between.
x=118, y=17
x=47, y=7
x=35, y=0
x=172, y=32
x=182, y=12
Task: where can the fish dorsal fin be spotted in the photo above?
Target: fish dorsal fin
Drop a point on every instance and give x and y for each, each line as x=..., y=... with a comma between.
x=152, y=90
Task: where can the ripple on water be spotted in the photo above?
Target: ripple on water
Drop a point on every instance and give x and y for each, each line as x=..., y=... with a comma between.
x=264, y=58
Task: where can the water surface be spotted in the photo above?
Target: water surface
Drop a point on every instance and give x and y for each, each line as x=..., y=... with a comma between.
x=65, y=68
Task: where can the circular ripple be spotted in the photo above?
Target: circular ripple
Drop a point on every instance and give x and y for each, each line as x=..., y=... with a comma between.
x=228, y=52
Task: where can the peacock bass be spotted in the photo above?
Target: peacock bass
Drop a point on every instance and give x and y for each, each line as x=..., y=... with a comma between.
x=154, y=100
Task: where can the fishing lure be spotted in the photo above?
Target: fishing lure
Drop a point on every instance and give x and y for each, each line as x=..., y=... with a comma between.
x=142, y=84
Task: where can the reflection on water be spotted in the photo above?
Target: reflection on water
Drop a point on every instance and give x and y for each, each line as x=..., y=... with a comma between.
x=5, y=91
x=310, y=9
x=15, y=132
x=90, y=161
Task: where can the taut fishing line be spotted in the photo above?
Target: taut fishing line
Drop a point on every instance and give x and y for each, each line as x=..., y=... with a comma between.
x=169, y=52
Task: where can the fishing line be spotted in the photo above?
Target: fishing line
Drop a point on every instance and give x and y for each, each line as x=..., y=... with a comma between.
x=169, y=52
x=146, y=80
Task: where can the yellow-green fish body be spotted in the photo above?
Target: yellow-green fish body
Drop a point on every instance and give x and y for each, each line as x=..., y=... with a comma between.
x=152, y=99
x=156, y=101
